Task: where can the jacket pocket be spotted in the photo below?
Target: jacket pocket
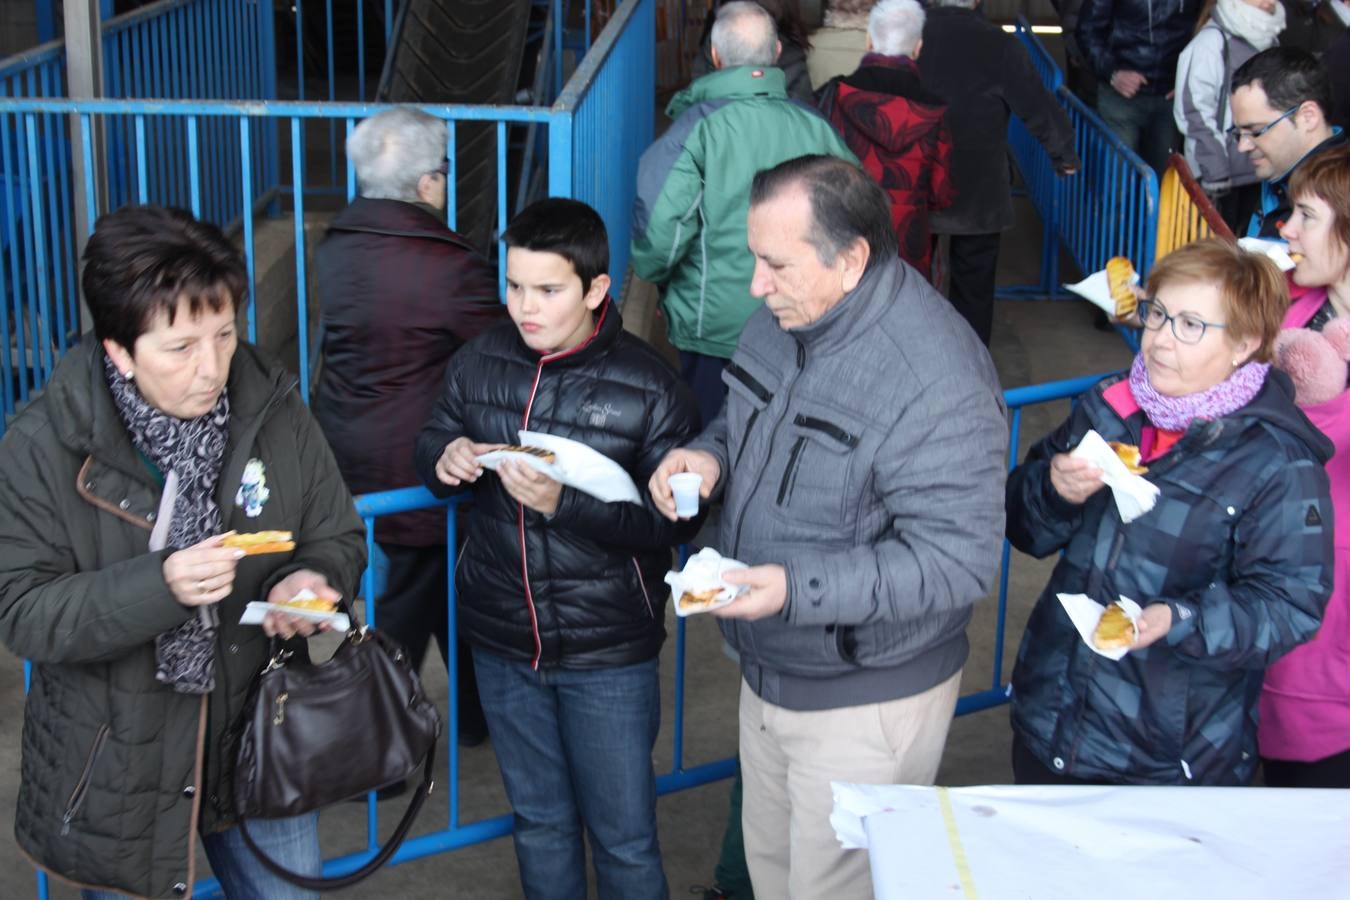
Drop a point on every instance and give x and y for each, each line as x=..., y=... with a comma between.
x=815, y=479
x=81, y=789
x=747, y=398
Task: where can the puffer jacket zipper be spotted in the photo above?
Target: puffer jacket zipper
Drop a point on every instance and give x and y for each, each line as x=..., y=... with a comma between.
x=81, y=791
x=520, y=507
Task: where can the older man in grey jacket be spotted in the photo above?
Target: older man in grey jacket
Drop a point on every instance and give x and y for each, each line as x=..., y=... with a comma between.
x=860, y=460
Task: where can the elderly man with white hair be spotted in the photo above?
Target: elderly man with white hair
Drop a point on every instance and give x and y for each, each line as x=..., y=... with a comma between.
x=693, y=192
x=896, y=126
x=399, y=293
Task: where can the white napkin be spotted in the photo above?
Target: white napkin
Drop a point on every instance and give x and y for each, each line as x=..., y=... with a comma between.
x=576, y=465
x=1096, y=288
x=852, y=804
x=1134, y=494
x=254, y=612
x=1276, y=250
x=1085, y=613
x=702, y=571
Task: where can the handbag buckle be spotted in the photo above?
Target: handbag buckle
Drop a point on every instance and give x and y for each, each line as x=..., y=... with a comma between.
x=278, y=661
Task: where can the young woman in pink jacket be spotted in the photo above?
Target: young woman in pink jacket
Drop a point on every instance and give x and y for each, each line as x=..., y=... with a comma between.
x=1305, y=704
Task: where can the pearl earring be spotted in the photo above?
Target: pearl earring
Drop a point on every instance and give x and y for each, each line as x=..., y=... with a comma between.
x=129, y=375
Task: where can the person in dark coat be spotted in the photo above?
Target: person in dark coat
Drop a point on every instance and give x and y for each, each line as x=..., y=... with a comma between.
x=984, y=75
x=1232, y=566
x=1133, y=47
x=155, y=436
x=563, y=598
x=399, y=293
x=895, y=127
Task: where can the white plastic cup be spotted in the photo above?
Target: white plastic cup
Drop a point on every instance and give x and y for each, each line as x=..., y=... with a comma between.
x=685, y=487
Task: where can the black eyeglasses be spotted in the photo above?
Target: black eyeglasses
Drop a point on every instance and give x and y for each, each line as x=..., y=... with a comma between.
x=1237, y=133
x=442, y=169
x=1186, y=327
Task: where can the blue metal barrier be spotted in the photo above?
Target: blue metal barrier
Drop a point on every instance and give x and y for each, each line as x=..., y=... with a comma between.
x=1038, y=173
x=613, y=85
x=1109, y=208
x=219, y=159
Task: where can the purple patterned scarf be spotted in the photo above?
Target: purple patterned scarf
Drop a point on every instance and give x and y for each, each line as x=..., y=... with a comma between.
x=1177, y=413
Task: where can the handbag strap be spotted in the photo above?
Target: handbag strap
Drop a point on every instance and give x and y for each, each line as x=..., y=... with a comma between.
x=378, y=860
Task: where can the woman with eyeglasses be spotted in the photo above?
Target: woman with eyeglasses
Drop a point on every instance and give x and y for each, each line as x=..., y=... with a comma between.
x=1232, y=566
x=1305, y=706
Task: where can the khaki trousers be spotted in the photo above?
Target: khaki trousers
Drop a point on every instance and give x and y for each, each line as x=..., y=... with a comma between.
x=788, y=760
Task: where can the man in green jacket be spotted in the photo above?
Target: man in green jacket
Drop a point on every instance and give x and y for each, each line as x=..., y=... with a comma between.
x=693, y=192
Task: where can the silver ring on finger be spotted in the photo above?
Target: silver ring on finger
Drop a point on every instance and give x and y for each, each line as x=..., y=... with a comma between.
x=201, y=588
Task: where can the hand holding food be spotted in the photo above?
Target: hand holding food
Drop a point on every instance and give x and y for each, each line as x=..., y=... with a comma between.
x=530, y=488
x=459, y=461
x=203, y=573
x=1074, y=479
x=258, y=542
x=1120, y=279
x=278, y=624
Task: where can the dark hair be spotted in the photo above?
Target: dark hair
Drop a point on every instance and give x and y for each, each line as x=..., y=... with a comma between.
x=1327, y=177
x=846, y=204
x=1289, y=77
x=566, y=227
x=144, y=260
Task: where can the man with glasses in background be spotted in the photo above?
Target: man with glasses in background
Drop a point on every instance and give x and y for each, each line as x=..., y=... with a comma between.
x=1281, y=100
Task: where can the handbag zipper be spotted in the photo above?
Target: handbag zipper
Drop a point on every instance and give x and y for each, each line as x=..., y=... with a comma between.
x=81, y=790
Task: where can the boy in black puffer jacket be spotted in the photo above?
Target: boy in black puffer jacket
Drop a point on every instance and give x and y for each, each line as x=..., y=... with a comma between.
x=563, y=601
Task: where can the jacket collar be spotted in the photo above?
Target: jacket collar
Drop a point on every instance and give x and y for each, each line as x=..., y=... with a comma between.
x=608, y=325
x=1338, y=137
x=398, y=218
x=738, y=83
x=858, y=311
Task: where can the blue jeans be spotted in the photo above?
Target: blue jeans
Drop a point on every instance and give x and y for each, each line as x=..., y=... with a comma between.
x=1144, y=122
x=293, y=843
x=575, y=750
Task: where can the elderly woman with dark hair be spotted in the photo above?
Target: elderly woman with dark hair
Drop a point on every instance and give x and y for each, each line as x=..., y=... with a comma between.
x=1232, y=566
x=117, y=486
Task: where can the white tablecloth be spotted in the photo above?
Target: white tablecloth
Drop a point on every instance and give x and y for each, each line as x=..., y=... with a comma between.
x=1103, y=843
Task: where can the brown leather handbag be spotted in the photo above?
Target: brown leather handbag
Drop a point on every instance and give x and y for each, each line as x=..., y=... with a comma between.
x=313, y=735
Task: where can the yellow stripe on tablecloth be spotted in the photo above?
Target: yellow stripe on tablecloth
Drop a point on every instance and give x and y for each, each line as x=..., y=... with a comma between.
x=958, y=852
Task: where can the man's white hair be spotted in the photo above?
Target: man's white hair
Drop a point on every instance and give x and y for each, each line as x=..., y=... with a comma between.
x=895, y=27
x=744, y=35
x=393, y=149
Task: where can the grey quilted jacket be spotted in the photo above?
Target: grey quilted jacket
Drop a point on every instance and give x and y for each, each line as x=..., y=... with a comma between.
x=118, y=770
x=864, y=453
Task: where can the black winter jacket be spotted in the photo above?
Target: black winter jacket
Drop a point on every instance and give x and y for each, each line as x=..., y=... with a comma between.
x=119, y=770
x=1239, y=545
x=581, y=589
x=1144, y=36
x=985, y=75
